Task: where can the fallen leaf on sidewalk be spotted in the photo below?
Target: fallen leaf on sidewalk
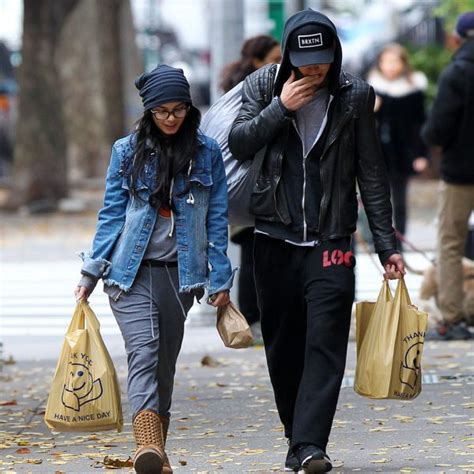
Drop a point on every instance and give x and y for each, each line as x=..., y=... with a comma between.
x=8, y=403
x=115, y=463
x=382, y=428
x=252, y=452
x=92, y=455
x=23, y=451
x=404, y=419
x=381, y=461
x=208, y=361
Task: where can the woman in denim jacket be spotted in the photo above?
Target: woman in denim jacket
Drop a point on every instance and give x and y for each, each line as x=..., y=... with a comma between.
x=161, y=239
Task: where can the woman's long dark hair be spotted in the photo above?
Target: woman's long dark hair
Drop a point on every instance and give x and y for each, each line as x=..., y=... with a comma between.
x=175, y=153
x=254, y=48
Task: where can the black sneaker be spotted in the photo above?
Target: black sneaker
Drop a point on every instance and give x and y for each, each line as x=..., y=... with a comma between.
x=312, y=459
x=449, y=332
x=291, y=463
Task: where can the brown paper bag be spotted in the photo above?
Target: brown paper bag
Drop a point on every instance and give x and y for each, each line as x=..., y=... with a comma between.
x=233, y=327
x=389, y=335
x=85, y=394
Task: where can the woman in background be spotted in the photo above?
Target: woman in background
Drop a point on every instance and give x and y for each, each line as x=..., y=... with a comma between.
x=400, y=113
x=255, y=53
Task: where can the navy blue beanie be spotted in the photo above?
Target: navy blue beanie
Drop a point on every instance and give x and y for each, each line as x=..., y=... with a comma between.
x=161, y=85
x=465, y=25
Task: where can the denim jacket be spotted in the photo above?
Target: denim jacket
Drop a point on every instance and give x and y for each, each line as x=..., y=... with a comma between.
x=125, y=223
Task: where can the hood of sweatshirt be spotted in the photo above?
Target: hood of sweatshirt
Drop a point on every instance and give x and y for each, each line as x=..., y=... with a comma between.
x=302, y=18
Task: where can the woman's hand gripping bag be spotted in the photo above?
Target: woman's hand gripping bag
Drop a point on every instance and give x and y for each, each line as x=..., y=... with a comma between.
x=233, y=327
x=390, y=336
x=85, y=394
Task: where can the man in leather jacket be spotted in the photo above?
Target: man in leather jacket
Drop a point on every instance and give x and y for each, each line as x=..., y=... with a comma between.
x=318, y=134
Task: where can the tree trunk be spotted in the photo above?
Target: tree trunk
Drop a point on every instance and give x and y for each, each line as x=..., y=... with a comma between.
x=94, y=69
x=40, y=151
x=109, y=12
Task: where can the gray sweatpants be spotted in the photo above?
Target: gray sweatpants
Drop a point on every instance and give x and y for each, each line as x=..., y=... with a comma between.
x=151, y=318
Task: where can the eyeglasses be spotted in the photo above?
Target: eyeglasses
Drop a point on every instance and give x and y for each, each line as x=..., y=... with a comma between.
x=162, y=114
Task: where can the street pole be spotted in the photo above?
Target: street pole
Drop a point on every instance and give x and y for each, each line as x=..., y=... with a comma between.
x=276, y=12
x=226, y=37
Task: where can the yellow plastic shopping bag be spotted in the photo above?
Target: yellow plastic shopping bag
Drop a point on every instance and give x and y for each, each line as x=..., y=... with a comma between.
x=85, y=394
x=390, y=336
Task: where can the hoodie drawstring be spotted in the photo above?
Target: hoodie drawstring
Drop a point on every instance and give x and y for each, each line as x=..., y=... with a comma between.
x=172, y=213
x=190, y=199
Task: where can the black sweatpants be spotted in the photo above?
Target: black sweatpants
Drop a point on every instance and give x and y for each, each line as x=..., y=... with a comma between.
x=247, y=297
x=305, y=296
x=399, y=189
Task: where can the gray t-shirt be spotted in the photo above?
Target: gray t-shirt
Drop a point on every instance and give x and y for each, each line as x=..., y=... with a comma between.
x=162, y=245
x=311, y=119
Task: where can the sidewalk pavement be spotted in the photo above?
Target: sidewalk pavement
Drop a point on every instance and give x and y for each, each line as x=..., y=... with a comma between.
x=224, y=420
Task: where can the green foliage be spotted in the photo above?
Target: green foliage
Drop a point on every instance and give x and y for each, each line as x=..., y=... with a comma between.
x=430, y=59
x=433, y=58
x=449, y=10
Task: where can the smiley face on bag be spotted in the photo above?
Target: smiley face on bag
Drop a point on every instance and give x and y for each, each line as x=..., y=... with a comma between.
x=80, y=381
x=80, y=387
x=410, y=368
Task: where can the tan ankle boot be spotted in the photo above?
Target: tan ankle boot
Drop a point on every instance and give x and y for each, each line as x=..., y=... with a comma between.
x=150, y=454
x=165, y=423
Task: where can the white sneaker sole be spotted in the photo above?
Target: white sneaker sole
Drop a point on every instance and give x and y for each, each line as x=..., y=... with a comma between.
x=314, y=466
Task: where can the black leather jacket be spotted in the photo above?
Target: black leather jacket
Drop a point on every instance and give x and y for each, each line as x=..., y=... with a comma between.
x=351, y=152
x=451, y=121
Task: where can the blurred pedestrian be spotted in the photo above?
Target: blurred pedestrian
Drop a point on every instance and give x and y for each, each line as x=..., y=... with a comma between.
x=161, y=238
x=256, y=52
x=400, y=114
x=320, y=137
x=450, y=126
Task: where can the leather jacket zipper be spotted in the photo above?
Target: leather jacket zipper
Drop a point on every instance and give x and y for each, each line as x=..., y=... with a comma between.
x=330, y=142
x=274, y=193
x=305, y=224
